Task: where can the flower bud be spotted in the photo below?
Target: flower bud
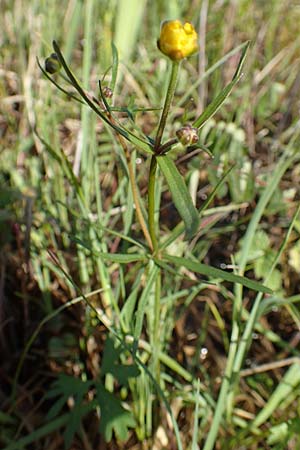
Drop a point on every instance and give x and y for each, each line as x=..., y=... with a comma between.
x=107, y=92
x=177, y=41
x=52, y=64
x=187, y=135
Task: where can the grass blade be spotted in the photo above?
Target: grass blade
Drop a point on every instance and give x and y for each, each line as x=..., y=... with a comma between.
x=286, y=387
x=128, y=21
x=115, y=66
x=39, y=433
x=153, y=273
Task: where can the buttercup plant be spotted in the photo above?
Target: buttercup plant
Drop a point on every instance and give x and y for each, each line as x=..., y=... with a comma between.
x=177, y=41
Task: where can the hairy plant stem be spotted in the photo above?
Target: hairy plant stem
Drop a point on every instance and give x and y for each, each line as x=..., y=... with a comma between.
x=166, y=108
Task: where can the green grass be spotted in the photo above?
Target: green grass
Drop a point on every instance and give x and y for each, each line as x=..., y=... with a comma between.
x=184, y=335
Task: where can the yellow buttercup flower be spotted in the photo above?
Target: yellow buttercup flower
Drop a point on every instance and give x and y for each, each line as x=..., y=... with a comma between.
x=177, y=41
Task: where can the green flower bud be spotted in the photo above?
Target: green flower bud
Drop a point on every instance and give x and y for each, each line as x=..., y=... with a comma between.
x=187, y=135
x=52, y=64
x=107, y=92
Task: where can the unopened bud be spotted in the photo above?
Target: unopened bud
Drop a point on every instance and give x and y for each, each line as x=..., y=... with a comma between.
x=52, y=64
x=177, y=40
x=187, y=135
x=107, y=92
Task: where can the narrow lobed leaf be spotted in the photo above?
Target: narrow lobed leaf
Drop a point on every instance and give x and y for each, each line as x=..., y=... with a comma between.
x=213, y=272
x=221, y=97
x=180, y=194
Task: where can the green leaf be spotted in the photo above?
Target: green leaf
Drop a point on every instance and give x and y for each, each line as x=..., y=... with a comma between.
x=64, y=387
x=120, y=258
x=180, y=227
x=180, y=194
x=123, y=258
x=213, y=272
x=79, y=411
x=111, y=365
x=221, y=97
x=113, y=416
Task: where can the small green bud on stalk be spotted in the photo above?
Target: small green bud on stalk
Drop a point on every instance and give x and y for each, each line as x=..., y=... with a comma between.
x=187, y=135
x=52, y=64
x=107, y=92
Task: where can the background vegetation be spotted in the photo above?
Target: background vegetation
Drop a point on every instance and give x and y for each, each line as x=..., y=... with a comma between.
x=61, y=369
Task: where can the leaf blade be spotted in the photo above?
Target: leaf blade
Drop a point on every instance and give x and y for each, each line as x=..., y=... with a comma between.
x=180, y=194
x=221, y=97
x=210, y=271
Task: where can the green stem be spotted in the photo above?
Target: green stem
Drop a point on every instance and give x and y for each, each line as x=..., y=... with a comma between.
x=168, y=101
x=151, y=203
x=222, y=398
x=153, y=166
x=157, y=293
x=151, y=216
x=156, y=341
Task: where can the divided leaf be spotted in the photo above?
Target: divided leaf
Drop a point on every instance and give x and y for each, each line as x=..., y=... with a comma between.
x=65, y=387
x=111, y=365
x=113, y=416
